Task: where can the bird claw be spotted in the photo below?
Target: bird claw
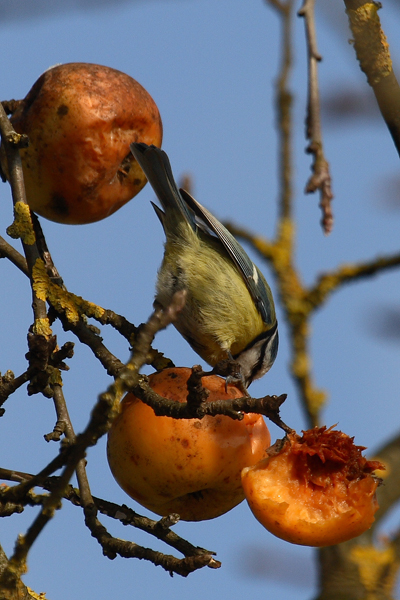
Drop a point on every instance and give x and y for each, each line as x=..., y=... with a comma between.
x=231, y=370
x=238, y=381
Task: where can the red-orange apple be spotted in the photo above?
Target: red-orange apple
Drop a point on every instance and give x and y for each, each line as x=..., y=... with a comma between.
x=80, y=119
x=186, y=466
x=315, y=490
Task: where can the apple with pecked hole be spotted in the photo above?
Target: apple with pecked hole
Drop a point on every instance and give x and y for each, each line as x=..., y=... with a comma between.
x=316, y=489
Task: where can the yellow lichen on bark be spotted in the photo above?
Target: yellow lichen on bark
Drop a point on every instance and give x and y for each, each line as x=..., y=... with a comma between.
x=22, y=226
x=283, y=247
x=377, y=567
x=42, y=327
x=370, y=42
x=41, y=596
x=63, y=301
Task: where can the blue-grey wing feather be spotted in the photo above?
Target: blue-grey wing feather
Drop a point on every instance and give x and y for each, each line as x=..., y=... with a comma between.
x=248, y=270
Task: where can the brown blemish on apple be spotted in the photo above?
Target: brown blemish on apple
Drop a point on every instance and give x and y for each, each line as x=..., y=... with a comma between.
x=62, y=110
x=59, y=205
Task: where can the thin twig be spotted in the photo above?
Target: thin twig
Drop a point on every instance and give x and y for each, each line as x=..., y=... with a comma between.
x=330, y=282
x=85, y=333
x=99, y=423
x=320, y=178
x=9, y=383
x=284, y=101
x=72, y=310
x=101, y=419
x=158, y=529
x=88, y=336
x=63, y=424
x=300, y=302
x=158, y=320
x=81, y=475
x=8, y=251
x=9, y=579
x=268, y=406
x=45, y=253
x=22, y=226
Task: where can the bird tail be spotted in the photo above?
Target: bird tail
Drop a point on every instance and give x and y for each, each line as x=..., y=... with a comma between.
x=156, y=166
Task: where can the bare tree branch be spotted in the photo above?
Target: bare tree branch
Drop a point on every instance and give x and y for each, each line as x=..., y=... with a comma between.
x=22, y=226
x=283, y=101
x=320, y=178
x=159, y=529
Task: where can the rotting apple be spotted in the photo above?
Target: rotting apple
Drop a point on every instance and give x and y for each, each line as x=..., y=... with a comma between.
x=80, y=119
x=186, y=466
x=315, y=490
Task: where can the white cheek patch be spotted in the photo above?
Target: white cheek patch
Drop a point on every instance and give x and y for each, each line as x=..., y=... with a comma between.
x=256, y=360
x=249, y=358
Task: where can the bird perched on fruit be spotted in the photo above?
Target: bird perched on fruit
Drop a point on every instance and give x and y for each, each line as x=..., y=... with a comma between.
x=229, y=310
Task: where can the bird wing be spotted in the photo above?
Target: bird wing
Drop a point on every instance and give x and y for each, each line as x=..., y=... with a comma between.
x=250, y=273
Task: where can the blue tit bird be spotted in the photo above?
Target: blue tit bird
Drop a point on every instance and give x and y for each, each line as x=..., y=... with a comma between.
x=229, y=310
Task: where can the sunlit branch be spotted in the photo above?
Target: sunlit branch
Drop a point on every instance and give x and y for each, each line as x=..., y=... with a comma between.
x=330, y=282
x=372, y=50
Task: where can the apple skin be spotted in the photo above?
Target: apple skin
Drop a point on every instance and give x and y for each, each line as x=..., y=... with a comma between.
x=80, y=119
x=186, y=466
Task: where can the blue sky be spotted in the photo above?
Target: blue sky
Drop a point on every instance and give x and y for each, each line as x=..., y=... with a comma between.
x=211, y=69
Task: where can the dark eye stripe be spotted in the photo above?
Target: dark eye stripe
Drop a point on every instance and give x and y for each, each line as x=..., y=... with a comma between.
x=270, y=336
x=267, y=335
